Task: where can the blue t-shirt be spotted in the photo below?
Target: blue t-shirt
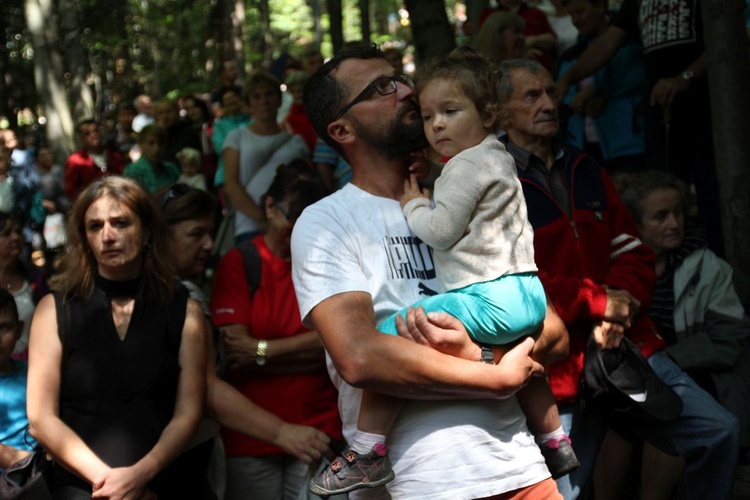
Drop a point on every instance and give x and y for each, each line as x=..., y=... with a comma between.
x=13, y=420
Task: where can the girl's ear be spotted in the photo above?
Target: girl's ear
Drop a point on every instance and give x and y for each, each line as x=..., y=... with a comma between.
x=490, y=116
x=267, y=205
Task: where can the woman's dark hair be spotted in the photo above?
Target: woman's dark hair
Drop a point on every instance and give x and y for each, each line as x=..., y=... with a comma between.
x=635, y=187
x=8, y=304
x=181, y=202
x=257, y=79
x=11, y=222
x=79, y=267
x=200, y=103
x=299, y=185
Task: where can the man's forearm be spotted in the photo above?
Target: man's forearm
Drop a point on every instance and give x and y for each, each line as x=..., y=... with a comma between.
x=552, y=342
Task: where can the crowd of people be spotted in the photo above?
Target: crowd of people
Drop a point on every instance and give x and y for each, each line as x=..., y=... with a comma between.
x=346, y=281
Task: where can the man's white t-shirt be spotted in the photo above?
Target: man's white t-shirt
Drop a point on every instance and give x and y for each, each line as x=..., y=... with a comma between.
x=354, y=241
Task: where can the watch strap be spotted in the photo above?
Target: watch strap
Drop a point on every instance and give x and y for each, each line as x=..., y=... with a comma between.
x=488, y=355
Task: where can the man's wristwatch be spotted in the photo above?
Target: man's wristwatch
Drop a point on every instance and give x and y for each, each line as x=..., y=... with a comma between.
x=260, y=353
x=687, y=75
x=488, y=355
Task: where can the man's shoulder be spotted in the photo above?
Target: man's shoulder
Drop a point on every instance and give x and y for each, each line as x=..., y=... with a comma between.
x=79, y=157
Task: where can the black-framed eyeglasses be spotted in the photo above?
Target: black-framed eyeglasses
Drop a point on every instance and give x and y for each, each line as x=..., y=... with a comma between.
x=385, y=85
x=174, y=192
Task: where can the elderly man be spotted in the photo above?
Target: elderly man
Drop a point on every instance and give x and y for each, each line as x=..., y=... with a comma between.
x=179, y=133
x=355, y=262
x=599, y=276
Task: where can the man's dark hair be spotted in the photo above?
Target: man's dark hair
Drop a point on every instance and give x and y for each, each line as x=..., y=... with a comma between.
x=85, y=121
x=324, y=95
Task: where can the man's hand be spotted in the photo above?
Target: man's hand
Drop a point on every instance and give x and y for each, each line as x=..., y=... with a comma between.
x=621, y=307
x=439, y=331
x=666, y=89
x=518, y=367
x=447, y=334
x=608, y=335
x=413, y=191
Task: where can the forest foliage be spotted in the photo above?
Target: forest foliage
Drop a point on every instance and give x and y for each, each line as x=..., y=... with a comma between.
x=116, y=49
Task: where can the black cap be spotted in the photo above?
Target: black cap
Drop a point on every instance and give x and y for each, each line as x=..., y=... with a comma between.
x=622, y=380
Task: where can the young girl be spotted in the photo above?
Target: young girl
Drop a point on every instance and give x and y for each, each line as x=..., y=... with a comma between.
x=190, y=166
x=483, y=249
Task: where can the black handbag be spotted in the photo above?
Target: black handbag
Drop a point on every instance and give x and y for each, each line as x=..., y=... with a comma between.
x=28, y=479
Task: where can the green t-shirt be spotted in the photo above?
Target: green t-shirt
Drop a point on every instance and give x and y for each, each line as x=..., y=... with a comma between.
x=150, y=177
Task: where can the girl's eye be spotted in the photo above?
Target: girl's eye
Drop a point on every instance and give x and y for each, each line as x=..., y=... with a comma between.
x=426, y=117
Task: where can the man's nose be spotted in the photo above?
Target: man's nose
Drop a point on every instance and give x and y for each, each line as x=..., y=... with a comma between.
x=548, y=102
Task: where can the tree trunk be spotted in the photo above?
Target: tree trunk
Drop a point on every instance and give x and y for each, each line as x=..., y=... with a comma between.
x=78, y=63
x=266, y=40
x=238, y=22
x=430, y=28
x=364, y=15
x=316, y=12
x=728, y=79
x=42, y=22
x=5, y=108
x=335, y=17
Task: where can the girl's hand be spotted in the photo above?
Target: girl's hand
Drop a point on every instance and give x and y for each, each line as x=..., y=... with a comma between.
x=419, y=165
x=413, y=191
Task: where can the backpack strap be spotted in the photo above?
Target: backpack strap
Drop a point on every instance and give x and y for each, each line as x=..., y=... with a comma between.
x=251, y=260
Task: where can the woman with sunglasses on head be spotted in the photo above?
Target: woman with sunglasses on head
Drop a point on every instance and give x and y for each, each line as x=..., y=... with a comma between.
x=117, y=355
x=189, y=216
x=247, y=150
x=272, y=359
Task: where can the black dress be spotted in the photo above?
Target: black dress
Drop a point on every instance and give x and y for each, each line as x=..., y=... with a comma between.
x=119, y=395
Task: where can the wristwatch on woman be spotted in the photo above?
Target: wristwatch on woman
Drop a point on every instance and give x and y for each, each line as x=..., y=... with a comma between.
x=260, y=353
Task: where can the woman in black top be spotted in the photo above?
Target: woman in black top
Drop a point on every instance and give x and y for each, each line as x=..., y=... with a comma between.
x=117, y=354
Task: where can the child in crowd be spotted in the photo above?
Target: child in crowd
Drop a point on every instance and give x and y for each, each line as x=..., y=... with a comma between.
x=15, y=443
x=6, y=181
x=483, y=249
x=55, y=201
x=190, y=165
x=150, y=170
